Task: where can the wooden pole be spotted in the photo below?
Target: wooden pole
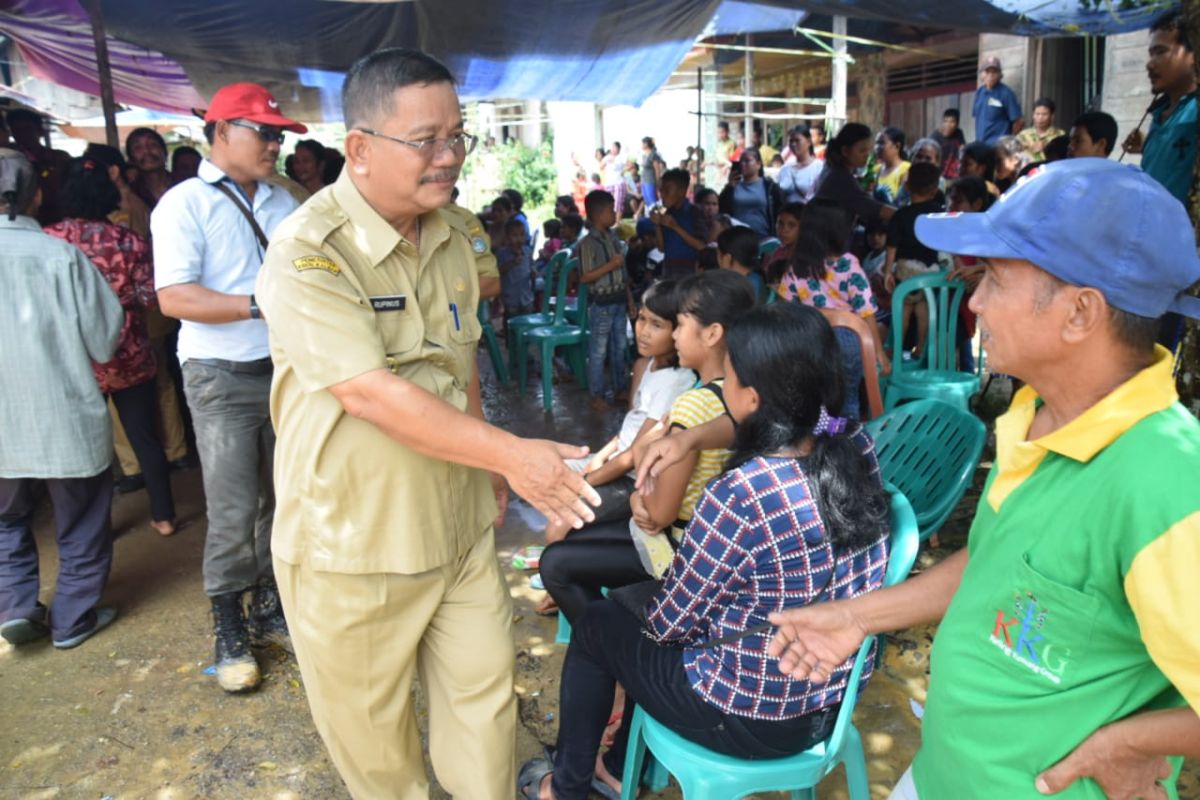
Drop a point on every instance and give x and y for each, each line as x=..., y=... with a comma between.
x=699, y=105
x=838, y=111
x=103, y=71
x=748, y=91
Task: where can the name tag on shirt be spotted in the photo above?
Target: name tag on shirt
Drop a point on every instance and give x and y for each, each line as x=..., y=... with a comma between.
x=391, y=302
x=994, y=102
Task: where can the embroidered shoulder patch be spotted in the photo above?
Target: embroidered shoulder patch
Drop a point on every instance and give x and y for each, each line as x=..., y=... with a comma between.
x=316, y=262
x=478, y=245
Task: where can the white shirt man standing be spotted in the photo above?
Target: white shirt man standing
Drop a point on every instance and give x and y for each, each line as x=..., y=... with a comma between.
x=210, y=235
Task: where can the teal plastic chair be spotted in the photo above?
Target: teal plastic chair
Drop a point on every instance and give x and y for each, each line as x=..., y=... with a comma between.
x=490, y=340
x=518, y=325
x=766, y=247
x=705, y=775
x=936, y=374
x=929, y=450
x=549, y=338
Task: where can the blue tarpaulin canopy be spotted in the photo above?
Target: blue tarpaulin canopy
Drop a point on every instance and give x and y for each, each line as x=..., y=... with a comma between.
x=170, y=54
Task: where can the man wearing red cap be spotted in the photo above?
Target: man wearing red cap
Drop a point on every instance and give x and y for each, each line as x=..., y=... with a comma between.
x=210, y=235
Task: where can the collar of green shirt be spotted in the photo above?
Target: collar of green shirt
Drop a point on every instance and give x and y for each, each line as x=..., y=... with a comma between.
x=373, y=235
x=1148, y=392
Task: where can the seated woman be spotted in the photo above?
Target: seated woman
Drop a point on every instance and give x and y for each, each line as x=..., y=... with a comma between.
x=610, y=554
x=823, y=275
x=799, y=516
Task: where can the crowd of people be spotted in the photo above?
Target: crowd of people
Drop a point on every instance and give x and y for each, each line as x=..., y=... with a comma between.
x=737, y=521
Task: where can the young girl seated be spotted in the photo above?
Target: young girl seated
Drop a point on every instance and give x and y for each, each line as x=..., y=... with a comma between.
x=657, y=381
x=575, y=569
x=821, y=274
x=798, y=517
x=737, y=251
x=787, y=230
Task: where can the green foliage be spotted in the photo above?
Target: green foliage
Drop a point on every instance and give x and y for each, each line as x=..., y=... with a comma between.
x=529, y=170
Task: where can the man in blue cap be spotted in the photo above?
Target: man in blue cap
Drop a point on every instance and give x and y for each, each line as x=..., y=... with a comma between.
x=1067, y=660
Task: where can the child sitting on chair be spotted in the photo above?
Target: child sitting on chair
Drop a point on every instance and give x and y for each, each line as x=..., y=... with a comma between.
x=799, y=516
x=907, y=257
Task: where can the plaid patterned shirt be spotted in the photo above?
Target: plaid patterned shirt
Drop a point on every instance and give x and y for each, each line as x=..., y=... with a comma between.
x=757, y=545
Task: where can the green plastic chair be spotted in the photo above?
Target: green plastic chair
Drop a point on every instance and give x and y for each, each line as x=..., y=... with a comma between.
x=550, y=338
x=705, y=775
x=493, y=345
x=517, y=326
x=766, y=247
x=936, y=374
x=929, y=450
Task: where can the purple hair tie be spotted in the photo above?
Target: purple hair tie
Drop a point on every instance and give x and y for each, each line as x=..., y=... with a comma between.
x=828, y=425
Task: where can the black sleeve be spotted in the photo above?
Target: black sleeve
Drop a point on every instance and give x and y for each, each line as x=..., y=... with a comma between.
x=725, y=200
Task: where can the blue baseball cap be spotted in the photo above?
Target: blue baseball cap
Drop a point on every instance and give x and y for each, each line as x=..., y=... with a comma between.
x=1090, y=222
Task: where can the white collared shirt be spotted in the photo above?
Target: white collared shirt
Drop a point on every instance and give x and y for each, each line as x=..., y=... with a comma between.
x=200, y=237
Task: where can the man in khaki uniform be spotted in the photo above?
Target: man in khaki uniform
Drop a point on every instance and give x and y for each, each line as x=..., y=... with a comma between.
x=383, y=538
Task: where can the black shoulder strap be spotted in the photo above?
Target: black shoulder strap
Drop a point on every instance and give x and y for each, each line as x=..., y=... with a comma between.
x=247, y=213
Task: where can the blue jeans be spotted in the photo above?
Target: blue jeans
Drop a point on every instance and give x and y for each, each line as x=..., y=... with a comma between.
x=606, y=332
x=852, y=369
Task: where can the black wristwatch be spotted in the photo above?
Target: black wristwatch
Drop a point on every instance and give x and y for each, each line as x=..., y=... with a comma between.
x=255, y=312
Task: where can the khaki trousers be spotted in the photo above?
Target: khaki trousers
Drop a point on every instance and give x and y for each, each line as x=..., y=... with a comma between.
x=358, y=641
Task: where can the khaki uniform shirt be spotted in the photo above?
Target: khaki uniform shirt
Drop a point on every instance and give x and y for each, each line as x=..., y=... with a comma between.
x=345, y=294
x=481, y=243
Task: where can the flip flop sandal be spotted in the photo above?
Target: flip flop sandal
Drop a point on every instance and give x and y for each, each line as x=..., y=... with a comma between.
x=529, y=779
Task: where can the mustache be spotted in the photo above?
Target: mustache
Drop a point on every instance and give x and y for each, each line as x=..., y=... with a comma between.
x=444, y=175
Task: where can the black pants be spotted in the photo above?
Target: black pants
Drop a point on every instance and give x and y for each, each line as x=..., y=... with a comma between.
x=600, y=555
x=137, y=407
x=85, y=548
x=608, y=647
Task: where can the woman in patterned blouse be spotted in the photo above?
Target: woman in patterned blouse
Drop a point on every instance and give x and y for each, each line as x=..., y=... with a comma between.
x=799, y=515
x=123, y=257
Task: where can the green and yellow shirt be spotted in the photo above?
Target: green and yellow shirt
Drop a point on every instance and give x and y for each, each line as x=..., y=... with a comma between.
x=1077, y=605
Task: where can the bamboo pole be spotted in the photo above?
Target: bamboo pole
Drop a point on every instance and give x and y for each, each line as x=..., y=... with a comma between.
x=103, y=71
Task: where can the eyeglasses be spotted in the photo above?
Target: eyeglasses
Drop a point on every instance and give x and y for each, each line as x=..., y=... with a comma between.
x=462, y=142
x=268, y=133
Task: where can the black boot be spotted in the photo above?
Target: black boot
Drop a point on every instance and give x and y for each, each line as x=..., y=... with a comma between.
x=267, y=624
x=237, y=671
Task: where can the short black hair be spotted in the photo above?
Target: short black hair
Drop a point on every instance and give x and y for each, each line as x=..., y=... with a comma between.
x=565, y=200
x=515, y=198
x=1057, y=148
x=923, y=178
x=572, y=221
x=953, y=113
x=596, y=201
x=677, y=177
x=971, y=188
x=707, y=260
x=25, y=115
x=701, y=193
x=504, y=202
x=1099, y=126
x=514, y=224
x=373, y=80
x=741, y=244
x=983, y=154
x=648, y=141
x=185, y=150
x=1045, y=102
x=723, y=125
x=313, y=147
x=107, y=155
x=1177, y=22
x=138, y=133
x=551, y=228
x=87, y=191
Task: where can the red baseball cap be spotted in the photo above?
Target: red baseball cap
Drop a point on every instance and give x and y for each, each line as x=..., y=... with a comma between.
x=251, y=102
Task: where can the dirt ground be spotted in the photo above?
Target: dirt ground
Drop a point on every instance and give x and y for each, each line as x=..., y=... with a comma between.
x=132, y=713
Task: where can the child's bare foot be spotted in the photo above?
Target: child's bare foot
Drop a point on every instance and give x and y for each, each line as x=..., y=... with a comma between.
x=603, y=774
x=163, y=527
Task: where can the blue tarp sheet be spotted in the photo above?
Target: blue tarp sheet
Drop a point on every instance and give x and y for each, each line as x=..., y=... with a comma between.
x=170, y=53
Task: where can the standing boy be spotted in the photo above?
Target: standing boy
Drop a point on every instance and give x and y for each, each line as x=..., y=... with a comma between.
x=516, y=268
x=680, y=226
x=602, y=261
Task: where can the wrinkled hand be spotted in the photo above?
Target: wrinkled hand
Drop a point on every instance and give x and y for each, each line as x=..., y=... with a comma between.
x=500, y=487
x=1133, y=142
x=815, y=640
x=640, y=516
x=538, y=473
x=1123, y=772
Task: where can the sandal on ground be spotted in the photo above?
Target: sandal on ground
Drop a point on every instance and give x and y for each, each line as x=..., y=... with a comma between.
x=529, y=779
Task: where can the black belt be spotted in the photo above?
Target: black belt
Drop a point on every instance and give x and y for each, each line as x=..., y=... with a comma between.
x=261, y=366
